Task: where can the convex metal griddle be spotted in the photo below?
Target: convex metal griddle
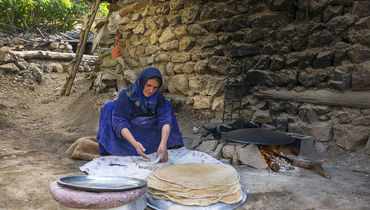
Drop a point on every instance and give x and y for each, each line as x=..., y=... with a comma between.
x=257, y=136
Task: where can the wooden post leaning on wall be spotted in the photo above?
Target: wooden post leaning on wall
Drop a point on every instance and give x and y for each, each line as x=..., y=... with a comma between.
x=66, y=89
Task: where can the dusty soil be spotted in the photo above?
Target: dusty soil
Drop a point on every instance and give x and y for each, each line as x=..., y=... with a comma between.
x=37, y=125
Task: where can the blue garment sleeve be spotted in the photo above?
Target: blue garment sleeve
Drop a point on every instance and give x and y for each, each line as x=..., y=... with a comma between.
x=164, y=113
x=120, y=114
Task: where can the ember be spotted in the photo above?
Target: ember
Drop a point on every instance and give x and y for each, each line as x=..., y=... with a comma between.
x=274, y=156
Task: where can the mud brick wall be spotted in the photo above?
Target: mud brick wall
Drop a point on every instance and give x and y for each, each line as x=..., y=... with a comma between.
x=289, y=47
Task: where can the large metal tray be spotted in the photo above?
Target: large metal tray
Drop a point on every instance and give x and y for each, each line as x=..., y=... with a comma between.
x=101, y=183
x=167, y=205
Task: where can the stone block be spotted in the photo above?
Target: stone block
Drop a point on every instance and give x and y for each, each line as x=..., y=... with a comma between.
x=349, y=137
x=197, y=30
x=228, y=151
x=251, y=156
x=181, y=57
x=261, y=116
x=167, y=35
x=341, y=23
x=361, y=76
x=361, y=8
x=208, y=146
x=202, y=102
x=367, y=147
x=218, y=151
x=323, y=59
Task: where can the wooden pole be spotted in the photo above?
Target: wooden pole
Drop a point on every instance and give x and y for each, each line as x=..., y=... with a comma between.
x=66, y=89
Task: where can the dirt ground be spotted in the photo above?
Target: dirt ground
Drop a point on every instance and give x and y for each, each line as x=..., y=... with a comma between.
x=37, y=125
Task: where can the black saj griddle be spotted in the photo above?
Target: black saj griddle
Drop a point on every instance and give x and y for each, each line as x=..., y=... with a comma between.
x=257, y=136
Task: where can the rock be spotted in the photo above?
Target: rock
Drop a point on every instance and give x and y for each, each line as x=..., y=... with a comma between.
x=186, y=43
x=4, y=55
x=180, y=57
x=361, y=8
x=162, y=58
x=332, y=11
x=188, y=67
x=179, y=84
x=321, y=131
x=349, y=137
x=263, y=63
x=208, y=146
x=251, y=156
x=226, y=161
x=202, y=102
x=359, y=53
x=307, y=114
x=172, y=45
x=255, y=77
x=208, y=41
x=277, y=62
x=323, y=59
x=218, y=151
x=341, y=80
x=361, y=76
x=189, y=15
x=235, y=160
x=367, y=147
x=242, y=50
x=261, y=116
x=197, y=30
x=167, y=35
x=196, y=142
x=228, y=151
x=151, y=49
x=218, y=64
x=340, y=23
x=10, y=68
x=312, y=77
x=363, y=23
x=365, y=111
x=174, y=20
x=320, y=38
x=359, y=36
x=195, y=130
x=362, y=121
x=130, y=76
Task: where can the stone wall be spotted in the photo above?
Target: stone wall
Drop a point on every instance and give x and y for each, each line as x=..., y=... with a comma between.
x=290, y=45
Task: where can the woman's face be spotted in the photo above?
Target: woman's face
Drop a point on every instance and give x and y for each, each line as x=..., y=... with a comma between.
x=151, y=86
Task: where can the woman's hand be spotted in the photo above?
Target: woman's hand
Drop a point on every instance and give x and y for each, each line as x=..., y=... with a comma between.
x=162, y=153
x=140, y=150
x=126, y=133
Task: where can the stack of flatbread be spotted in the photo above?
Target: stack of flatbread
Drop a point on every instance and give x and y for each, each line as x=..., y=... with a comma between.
x=196, y=184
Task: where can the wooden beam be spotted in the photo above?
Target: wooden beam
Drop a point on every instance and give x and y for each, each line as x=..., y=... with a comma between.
x=49, y=55
x=356, y=99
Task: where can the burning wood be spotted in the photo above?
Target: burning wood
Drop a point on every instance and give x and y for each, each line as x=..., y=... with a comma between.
x=270, y=154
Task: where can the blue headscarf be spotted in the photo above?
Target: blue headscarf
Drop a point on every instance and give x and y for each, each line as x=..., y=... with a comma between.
x=135, y=91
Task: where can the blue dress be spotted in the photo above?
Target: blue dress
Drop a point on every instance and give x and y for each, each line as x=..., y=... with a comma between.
x=144, y=117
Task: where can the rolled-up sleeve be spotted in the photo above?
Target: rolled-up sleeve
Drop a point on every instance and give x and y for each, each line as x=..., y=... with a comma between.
x=164, y=114
x=120, y=114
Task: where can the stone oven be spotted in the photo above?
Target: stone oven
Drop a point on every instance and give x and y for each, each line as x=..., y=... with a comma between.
x=307, y=63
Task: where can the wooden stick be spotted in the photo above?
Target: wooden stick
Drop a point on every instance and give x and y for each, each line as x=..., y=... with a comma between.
x=49, y=55
x=66, y=89
x=315, y=165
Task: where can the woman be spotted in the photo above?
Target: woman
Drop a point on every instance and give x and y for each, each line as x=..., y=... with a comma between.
x=141, y=121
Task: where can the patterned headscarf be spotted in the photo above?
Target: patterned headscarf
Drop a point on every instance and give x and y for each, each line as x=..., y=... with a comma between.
x=135, y=91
